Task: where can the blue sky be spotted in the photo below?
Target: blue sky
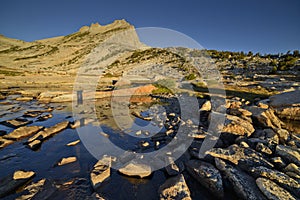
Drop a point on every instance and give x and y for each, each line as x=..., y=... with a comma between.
x=266, y=26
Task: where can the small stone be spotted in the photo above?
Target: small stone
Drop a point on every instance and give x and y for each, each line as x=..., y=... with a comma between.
x=244, y=144
x=136, y=169
x=65, y=161
x=101, y=171
x=172, y=115
x=34, y=144
x=260, y=147
x=145, y=144
x=206, y=106
x=263, y=105
x=104, y=134
x=173, y=168
x=278, y=162
x=73, y=143
x=169, y=132
x=138, y=133
x=23, y=175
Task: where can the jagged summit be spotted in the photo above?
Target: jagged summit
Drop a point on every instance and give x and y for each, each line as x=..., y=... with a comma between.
x=96, y=27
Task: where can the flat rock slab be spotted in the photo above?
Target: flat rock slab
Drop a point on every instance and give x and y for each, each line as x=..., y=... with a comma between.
x=35, y=113
x=16, y=123
x=285, y=99
x=207, y=175
x=22, y=132
x=136, y=169
x=272, y=191
x=101, y=171
x=12, y=182
x=35, y=141
x=175, y=188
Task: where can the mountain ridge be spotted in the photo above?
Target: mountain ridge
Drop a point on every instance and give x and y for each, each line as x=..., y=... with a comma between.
x=59, y=53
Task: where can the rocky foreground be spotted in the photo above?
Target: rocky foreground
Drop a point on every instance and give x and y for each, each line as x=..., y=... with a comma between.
x=256, y=157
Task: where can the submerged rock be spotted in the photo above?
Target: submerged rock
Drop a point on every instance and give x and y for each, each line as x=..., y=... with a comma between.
x=175, y=188
x=207, y=175
x=12, y=182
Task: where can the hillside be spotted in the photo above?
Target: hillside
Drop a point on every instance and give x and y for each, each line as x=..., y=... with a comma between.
x=35, y=64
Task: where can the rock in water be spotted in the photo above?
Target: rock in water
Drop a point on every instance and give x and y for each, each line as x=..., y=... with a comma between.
x=32, y=189
x=175, y=188
x=207, y=175
x=22, y=132
x=14, y=181
x=272, y=191
x=136, y=169
x=101, y=171
x=16, y=123
x=243, y=184
x=65, y=161
x=46, y=133
x=73, y=143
